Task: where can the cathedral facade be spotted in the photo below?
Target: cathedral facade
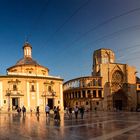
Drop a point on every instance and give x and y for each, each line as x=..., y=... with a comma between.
x=28, y=83
x=111, y=85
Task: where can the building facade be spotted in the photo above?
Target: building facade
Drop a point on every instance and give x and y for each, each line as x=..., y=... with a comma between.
x=29, y=83
x=117, y=84
x=85, y=91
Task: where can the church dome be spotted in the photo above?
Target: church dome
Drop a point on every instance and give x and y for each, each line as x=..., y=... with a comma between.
x=26, y=61
x=27, y=64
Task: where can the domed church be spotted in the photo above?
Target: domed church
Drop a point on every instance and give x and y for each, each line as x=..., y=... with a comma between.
x=28, y=83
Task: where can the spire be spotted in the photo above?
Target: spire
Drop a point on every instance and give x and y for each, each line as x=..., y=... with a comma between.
x=27, y=50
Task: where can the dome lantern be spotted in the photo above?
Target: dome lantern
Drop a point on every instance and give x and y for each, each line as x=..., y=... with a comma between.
x=27, y=50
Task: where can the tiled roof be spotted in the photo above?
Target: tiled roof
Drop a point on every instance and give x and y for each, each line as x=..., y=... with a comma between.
x=27, y=61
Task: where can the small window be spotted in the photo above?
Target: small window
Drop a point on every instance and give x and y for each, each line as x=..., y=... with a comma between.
x=30, y=72
x=4, y=101
x=14, y=87
x=49, y=88
x=32, y=88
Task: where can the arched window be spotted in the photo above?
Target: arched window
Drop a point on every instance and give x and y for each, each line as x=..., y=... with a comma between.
x=14, y=87
x=49, y=88
x=32, y=88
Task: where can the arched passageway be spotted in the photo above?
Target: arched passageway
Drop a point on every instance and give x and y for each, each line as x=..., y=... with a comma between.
x=120, y=100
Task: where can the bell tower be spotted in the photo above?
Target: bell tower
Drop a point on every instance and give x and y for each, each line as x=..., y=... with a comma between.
x=102, y=57
x=27, y=50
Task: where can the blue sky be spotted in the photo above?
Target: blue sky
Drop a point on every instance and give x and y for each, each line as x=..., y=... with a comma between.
x=65, y=33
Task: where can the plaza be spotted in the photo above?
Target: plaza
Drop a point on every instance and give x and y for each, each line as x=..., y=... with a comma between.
x=94, y=126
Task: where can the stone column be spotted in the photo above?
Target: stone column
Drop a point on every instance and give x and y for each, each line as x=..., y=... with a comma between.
x=37, y=94
x=102, y=93
x=61, y=97
x=28, y=95
x=1, y=95
x=91, y=93
x=86, y=93
x=97, y=94
x=81, y=94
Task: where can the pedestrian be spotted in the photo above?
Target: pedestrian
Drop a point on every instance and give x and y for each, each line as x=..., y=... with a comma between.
x=47, y=110
x=76, y=112
x=18, y=110
x=67, y=111
x=70, y=112
x=57, y=115
x=24, y=111
x=31, y=111
x=37, y=111
x=82, y=111
x=55, y=111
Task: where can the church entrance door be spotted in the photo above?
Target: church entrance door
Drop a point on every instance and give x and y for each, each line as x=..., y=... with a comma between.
x=14, y=103
x=50, y=103
x=118, y=104
x=120, y=100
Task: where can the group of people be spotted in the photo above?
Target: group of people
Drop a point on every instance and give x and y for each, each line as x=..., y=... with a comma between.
x=47, y=111
x=76, y=110
x=23, y=109
x=55, y=110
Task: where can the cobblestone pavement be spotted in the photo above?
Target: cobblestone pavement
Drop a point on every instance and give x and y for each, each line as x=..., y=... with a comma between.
x=94, y=126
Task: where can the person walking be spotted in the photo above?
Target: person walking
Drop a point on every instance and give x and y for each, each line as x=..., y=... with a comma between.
x=55, y=111
x=19, y=110
x=24, y=111
x=76, y=111
x=82, y=111
x=57, y=115
x=67, y=111
x=70, y=112
x=37, y=111
x=47, y=110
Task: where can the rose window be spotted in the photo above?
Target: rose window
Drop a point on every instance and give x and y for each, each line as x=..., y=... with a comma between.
x=117, y=81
